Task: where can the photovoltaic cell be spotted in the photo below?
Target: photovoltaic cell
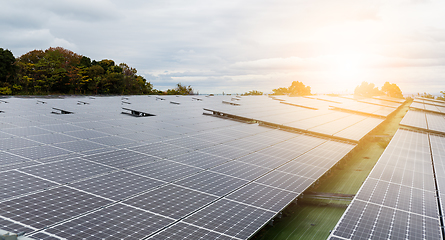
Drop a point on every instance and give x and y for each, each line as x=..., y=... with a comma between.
x=161, y=150
x=200, y=159
x=115, y=222
x=241, y=170
x=86, y=134
x=80, y=146
x=8, y=159
x=171, y=201
x=14, y=143
x=286, y=181
x=39, y=152
x=231, y=218
x=121, y=158
x=165, y=170
x=226, y=151
x=185, y=231
x=112, y=140
x=15, y=183
x=14, y=227
x=367, y=220
x=212, y=183
x=45, y=208
x=265, y=197
x=262, y=160
x=117, y=185
x=67, y=171
x=26, y=131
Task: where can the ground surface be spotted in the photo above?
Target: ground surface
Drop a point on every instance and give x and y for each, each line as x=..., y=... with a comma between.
x=314, y=216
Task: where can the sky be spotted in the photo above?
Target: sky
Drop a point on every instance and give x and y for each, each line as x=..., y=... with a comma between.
x=237, y=46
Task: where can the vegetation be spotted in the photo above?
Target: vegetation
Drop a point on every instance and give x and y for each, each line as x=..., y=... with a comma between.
x=441, y=97
x=253, y=92
x=296, y=89
x=61, y=71
x=180, y=90
x=428, y=95
x=369, y=90
x=425, y=95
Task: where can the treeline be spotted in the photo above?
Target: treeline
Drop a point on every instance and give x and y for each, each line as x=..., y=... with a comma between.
x=295, y=89
x=369, y=90
x=428, y=95
x=61, y=71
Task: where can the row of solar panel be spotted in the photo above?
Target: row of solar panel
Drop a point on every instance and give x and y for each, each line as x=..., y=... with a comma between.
x=429, y=107
x=425, y=121
x=398, y=199
x=337, y=124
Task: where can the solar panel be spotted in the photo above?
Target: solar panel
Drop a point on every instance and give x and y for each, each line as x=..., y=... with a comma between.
x=14, y=143
x=240, y=170
x=10, y=159
x=61, y=128
x=171, y=201
x=51, y=138
x=161, y=150
x=415, y=119
x=231, y=218
x=200, y=159
x=45, y=208
x=26, y=131
x=165, y=170
x=226, y=151
x=117, y=185
x=212, y=183
x=13, y=226
x=80, y=146
x=436, y=122
x=39, y=152
x=113, y=141
x=265, y=197
x=286, y=181
x=15, y=183
x=398, y=199
x=262, y=160
x=121, y=158
x=86, y=134
x=184, y=231
x=67, y=171
x=118, y=221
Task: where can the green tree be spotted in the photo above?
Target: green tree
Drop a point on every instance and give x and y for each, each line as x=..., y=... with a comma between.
x=392, y=90
x=280, y=91
x=180, y=90
x=367, y=90
x=8, y=69
x=425, y=95
x=299, y=89
x=441, y=97
x=252, y=92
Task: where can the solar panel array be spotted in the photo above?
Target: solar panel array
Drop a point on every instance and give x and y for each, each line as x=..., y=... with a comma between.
x=403, y=197
x=311, y=114
x=398, y=199
x=429, y=105
x=425, y=121
x=100, y=174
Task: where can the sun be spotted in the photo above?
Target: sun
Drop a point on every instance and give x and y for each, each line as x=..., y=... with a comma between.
x=347, y=70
